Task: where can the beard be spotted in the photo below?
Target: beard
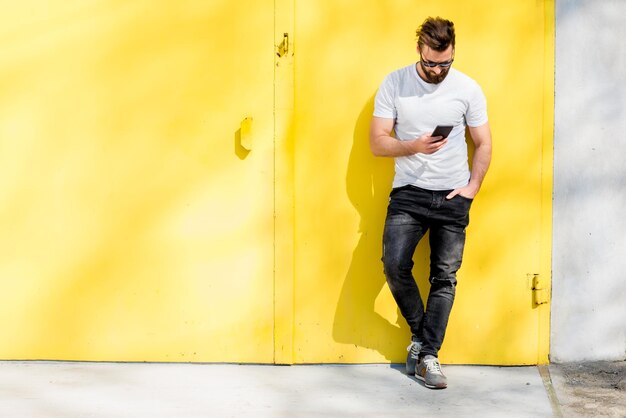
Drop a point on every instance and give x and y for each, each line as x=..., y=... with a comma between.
x=433, y=78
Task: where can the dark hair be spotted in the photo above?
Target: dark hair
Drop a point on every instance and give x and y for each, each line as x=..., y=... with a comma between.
x=436, y=33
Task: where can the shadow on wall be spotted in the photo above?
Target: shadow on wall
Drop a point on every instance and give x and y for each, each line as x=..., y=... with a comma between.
x=368, y=183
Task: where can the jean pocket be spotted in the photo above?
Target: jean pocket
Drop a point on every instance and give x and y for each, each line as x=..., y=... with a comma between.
x=460, y=205
x=466, y=198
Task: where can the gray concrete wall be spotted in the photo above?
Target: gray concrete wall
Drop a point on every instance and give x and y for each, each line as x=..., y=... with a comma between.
x=589, y=217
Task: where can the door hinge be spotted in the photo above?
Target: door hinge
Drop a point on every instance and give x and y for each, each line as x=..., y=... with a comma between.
x=540, y=289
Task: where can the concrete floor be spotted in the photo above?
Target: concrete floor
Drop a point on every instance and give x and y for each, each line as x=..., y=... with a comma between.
x=591, y=389
x=66, y=389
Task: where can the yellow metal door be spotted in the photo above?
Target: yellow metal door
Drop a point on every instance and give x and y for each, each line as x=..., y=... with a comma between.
x=136, y=226
x=344, y=311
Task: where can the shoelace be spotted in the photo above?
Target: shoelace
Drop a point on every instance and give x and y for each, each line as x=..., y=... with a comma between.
x=432, y=365
x=414, y=348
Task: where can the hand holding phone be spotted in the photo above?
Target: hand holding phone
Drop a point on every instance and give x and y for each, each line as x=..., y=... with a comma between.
x=443, y=131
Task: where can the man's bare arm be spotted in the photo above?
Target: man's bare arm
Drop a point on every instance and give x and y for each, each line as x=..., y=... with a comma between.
x=481, y=136
x=383, y=144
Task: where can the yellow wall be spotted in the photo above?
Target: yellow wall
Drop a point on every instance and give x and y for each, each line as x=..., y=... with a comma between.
x=136, y=227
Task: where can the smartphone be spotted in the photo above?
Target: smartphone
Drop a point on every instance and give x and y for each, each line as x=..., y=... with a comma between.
x=443, y=131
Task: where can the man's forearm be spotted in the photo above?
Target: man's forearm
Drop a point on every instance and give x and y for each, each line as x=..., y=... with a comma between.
x=480, y=164
x=388, y=146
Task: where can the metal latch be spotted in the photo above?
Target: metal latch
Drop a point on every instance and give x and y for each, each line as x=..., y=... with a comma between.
x=540, y=290
x=283, y=48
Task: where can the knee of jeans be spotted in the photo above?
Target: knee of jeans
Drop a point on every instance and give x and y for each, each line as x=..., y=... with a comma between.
x=444, y=282
x=394, y=267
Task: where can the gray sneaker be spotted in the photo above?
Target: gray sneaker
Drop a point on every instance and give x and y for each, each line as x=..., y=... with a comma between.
x=429, y=371
x=412, y=356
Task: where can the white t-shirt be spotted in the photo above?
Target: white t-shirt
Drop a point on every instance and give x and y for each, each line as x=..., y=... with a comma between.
x=417, y=108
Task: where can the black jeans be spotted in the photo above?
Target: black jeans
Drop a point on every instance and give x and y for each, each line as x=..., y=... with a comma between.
x=411, y=212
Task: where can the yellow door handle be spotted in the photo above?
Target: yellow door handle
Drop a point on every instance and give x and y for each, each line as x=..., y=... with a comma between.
x=246, y=133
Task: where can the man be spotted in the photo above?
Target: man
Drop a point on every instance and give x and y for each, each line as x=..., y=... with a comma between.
x=433, y=187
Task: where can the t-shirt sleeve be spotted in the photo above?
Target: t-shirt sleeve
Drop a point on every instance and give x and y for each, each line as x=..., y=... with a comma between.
x=384, y=106
x=476, y=114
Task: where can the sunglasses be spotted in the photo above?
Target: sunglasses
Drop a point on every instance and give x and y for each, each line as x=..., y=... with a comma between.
x=429, y=64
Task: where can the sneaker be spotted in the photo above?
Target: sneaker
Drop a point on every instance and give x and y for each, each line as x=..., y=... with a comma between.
x=429, y=371
x=412, y=356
